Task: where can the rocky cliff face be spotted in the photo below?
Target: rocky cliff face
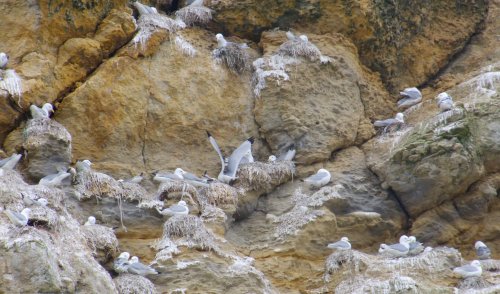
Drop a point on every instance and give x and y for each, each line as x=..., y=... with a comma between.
x=135, y=105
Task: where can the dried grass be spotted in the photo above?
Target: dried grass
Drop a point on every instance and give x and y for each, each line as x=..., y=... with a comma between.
x=212, y=213
x=150, y=23
x=291, y=222
x=134, y=284
x=192, y=15
x=491, y=265
x=260, y=175
x=100, y=238
x=235, y=56
x=318, y=198
x=352, y=260
x=217, y=194
x=184, y=46
x=135, y=192
x=95, y=184
x=300, y=48
x=474, y=283
x=43, y=216
x=176, y=186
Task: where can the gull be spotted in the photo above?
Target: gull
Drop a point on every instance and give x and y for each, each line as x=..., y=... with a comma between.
x=19, y=219
x=290, y=36
x=221, y=42
x=482, y=251
x=228, y=172
x=343, y=244
x=120, y=265
x=271, y=158
x=411, y=96
x=4, y=59
x=319, y=179
x=138, y=268
x=180, y=208
x=444, y=102
x=90, y=221
x=144, y=9
x=470, y=270
x=193, y=179
x=415, y=247
x=396, y=250
x=44, y=112
x=165, y=177
x=10, y=162
x=289, y=155
x=54, y=179
x=304, y=38
x=399, y=119
x=83, y=165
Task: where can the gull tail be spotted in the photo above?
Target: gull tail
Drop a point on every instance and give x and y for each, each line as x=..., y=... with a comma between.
x=251, y=140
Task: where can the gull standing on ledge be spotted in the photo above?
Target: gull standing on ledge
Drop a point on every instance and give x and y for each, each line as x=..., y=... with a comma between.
x=137, y=268
x=399, y=119
x=444, y=102
x=44, y=112
x=180, y=208
x=411, y=96
x=165, y=177
x=482, y=251
x=318, y=180
x=343, y=244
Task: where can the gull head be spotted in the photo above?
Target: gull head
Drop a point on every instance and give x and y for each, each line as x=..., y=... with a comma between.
x=345, y=239
x=134, y=259
x=442, y=96
x=382, y=248
x=4, y=59
x=220, y=40
x=48, y=108
x=26, y=212
x=479, y=244
x=87, y=162
x=124, y=255
x=403, y=238
x=304, y=38
x=412, y=239
x=272, y=158
x=400, y=117
x=322, y=170
x=42, y=201
x=182, y=203
x=91, y=221
x=476, y=263
x=179, y=172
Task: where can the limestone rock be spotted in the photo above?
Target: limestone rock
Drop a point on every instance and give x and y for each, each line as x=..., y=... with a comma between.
x=48, y=145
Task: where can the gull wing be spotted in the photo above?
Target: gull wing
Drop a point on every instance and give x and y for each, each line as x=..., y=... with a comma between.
x=316, y=177
x=192, y=177
x=399, y=247
x=338, y=244
x=217, y=149
x=235, y=158
x=141, y=269
x=385, y=122
x=288, y=156
x=36, y=112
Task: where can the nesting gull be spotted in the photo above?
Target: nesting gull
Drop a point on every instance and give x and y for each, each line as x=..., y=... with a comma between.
x=444, y=102
x=180, y=208
x=271, y=158
x=228, y=172
x=4, y=59
x=54, y=179
x=193, y=179
x=221, y=42
x=319, y=179
x=415, y=246
x=138, y=268
x=90, y=221
x=44, y=112
x=19, y=219
x=343, y=244
x=470, y=270
x=120, y=265
x=411, y=96
x=482, y=251
x=396, y=250
x=165, y=177
x=10, y=162
x=399, y=119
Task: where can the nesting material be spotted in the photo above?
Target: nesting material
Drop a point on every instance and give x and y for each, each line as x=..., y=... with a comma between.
x=95, y=184
x=291, y=222
x=150, y=23
x=235, y=56
x=302, y=48
x=474, y=283
x=272, y=67
x=363, y=284
x=212, y=214
x=43, y=216
x=189, y=230
x=218, y=193
x=352, y=260
x=37, y=130
x=134, y=284
x=184, y=46
x=101, y=240
x=262, y=175
x=194, y=15
x=172, y=187
x=135, y=192
x=318, y=198
x=491, y=265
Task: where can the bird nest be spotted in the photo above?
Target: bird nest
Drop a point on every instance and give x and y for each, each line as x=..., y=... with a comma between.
x=135, y=192
x=363, y=284
x=260, y=175
x=474, y=283
x=491, y=265
x=192, y=15
x=235, y=56
x=134, y=284
x=39, y=131
x=100, y=239
x=189, y=230
x=300, y=48
x=437, y=260
x=219, y=194
x=150, y=23
x=94, y=184
x=291, y=222
x=43, y=216
x=171, y=187
x=352, y=260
